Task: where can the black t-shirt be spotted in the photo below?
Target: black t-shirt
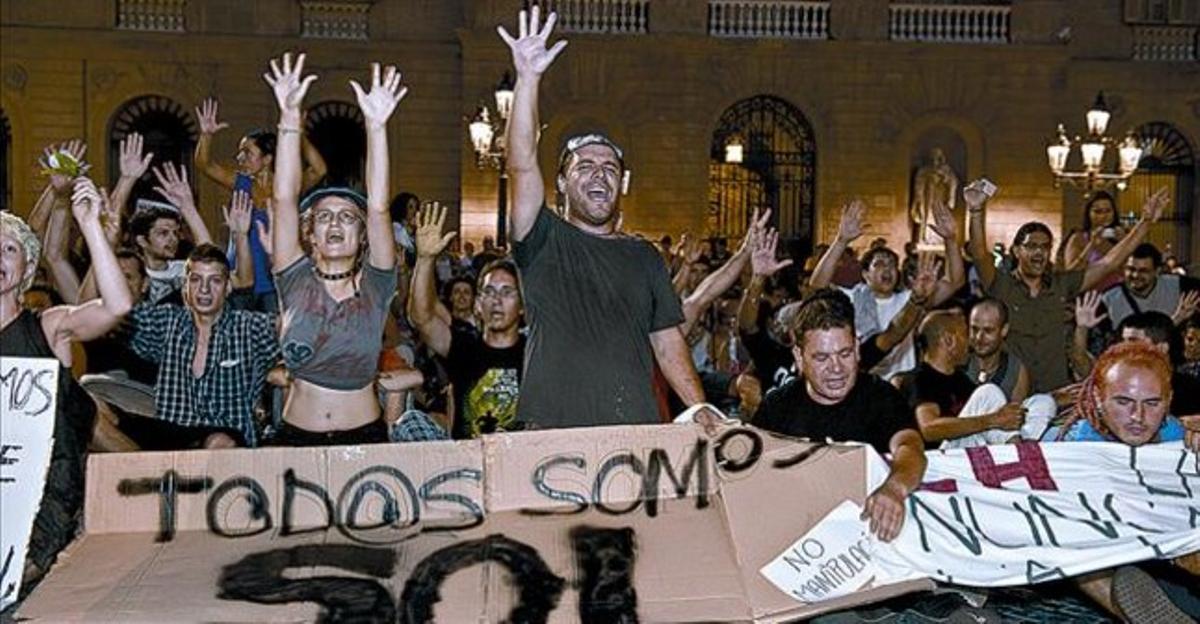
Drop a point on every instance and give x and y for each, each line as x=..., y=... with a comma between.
x=872, y=413
x=950, y=392
x=591, y=303
x=486, y=382
x=774, y=364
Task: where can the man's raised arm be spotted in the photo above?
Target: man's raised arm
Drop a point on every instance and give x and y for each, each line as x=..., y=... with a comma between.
x=849, y=228
x=530, y=59
x=977, y=236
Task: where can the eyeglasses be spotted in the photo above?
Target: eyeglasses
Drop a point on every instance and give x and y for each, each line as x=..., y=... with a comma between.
x=344, y=217
x=508, y=292
x=1036, y=246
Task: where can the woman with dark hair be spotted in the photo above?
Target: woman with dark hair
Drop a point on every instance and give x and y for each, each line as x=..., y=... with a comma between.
x=255, y=158
x=1101, y=230
x=334, y=262
x=255, y=162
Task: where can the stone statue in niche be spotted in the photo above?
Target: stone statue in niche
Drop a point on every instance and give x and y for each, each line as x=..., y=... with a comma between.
x=935, y=183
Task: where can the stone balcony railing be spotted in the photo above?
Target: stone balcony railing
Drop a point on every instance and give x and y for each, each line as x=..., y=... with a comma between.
x=152, y=15
x=620, y=17
x=785, y=19
x=949, y=23
x=331, y=19
x=1165, y=43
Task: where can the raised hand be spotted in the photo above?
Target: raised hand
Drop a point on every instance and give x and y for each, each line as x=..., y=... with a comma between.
x=288, y=82
x=378, y=104
x=1189, y=302
x=206, y=116
x=924, y=282
x=87, y=202
x=132, y=163
x=263, y=230
x=851, y=227
x=758, y=225
x=1154, y=207
x=430, y=240
x=173, y=185
x=762, y=259
x=62, y=183
x=530, y=56
x=238, y=214
x=943, y=221
x=1087, y=308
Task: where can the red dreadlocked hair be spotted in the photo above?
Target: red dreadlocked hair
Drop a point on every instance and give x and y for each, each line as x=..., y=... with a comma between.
x=1132, y=353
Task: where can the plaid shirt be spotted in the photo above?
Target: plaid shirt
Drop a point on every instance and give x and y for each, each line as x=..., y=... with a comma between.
x=242, y=349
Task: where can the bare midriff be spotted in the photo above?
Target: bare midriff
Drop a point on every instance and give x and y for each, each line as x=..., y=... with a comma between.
x=315, y=408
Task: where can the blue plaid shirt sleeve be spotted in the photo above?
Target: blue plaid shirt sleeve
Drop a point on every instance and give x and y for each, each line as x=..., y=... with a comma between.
x=266, y=340
x=151, y=327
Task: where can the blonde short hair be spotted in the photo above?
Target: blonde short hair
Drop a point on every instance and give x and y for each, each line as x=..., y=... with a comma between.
x=14, y=226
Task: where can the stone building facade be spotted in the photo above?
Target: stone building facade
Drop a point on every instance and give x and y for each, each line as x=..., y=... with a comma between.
x=829, y=99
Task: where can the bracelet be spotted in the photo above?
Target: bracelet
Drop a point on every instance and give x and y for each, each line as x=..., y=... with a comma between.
x=287, y=129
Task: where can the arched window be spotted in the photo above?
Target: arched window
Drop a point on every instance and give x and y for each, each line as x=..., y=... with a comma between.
x=337, y=130
x=168, y=131
x=5, y=163
x=763, y=156
x=1167, y=160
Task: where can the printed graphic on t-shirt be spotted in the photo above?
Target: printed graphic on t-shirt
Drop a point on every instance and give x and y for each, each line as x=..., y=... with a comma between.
x=491, y=405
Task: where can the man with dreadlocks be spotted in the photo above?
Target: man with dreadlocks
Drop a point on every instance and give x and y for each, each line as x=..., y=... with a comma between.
x=1125, y=399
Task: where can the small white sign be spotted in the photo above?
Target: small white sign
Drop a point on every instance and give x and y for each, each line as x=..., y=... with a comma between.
x=28, y=388
x=831, y=560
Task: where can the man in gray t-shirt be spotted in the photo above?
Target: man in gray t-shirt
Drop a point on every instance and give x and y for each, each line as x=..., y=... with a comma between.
x=1144, y=289
x=600, y=305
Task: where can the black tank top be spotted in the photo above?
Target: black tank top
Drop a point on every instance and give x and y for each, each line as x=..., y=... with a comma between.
x=73, y=421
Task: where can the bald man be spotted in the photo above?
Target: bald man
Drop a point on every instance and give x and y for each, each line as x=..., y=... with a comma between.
x=951, y=410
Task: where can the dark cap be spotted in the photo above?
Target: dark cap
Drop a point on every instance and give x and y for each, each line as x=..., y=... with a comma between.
x=581, y=141
x=349, y=194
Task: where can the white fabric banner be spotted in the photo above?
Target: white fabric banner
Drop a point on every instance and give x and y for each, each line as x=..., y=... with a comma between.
x=27, y=407
x=1027, y=513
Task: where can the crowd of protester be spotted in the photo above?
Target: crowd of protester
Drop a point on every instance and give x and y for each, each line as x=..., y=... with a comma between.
x=338, y=316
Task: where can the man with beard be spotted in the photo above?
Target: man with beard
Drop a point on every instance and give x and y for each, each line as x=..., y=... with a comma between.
x=600, y=304
x=1144, y=290
x=213, y=360
x=991, y=362
x=952, y=409
x=485, y=371
x=1036, y=294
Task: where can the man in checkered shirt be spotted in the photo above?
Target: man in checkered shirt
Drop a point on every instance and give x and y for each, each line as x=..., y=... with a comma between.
x=213, y=360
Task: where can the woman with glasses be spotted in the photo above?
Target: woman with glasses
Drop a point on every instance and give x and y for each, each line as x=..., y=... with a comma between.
x=334, y=258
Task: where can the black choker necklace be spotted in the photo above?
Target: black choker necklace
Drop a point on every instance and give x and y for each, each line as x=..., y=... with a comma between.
x=333, y=277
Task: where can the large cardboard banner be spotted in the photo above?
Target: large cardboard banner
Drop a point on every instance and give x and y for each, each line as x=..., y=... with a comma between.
x=618, y=524
x=28, y=393
x=1027, y=513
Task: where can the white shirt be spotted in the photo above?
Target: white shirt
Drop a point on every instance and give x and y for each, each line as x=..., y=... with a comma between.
x=872, y=315
x=165, y=281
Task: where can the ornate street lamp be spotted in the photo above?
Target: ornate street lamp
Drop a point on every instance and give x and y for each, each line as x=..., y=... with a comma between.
x=486, y=131
x=1091, y=151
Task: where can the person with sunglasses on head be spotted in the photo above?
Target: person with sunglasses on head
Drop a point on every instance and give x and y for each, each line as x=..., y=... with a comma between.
x=600, y=304
x=334, y=257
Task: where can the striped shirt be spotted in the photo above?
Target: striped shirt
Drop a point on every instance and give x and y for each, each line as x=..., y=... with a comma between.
x=242, y=349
